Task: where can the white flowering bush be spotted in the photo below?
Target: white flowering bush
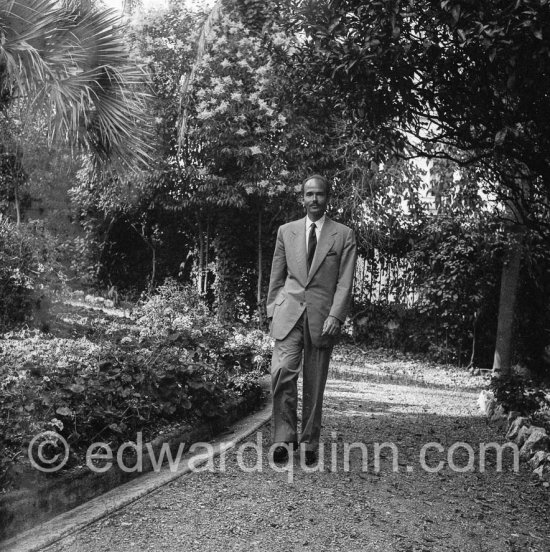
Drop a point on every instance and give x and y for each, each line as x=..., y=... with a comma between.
x=248, y=350
x=177, y=313
x=236, y=114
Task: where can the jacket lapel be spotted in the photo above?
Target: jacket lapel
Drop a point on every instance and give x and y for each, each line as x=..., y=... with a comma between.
x=326, y=239
x=299, y=248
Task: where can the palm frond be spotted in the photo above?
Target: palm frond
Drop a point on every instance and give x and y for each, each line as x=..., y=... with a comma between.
x=72, y=65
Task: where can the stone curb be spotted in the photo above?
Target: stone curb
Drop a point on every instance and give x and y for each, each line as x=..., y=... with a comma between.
x=120, y=495
x=532, y=441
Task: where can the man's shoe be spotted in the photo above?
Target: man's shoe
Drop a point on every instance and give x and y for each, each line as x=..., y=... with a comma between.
x=311, y=457
x=280, y=454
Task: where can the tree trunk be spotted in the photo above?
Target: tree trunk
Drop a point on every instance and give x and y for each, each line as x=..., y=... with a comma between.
x=228, y=269
x=260, y=273
x=153, y=268
x=363, y=277
x=388, y=280
x=502, y=362
x=474, y=339
x=206, y=258
x=151, y=246
x=380, y=272
x=201, y=260
x=17, y=205
x=103, y=250
x=371, y=278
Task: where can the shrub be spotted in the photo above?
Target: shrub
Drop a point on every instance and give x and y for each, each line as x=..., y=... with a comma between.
x=18, y=271
x=515, y=393
x=177, y=313
x=114, y=398
x=393, y=326
x=175, y=364
x=66, y=389
x=31, y=269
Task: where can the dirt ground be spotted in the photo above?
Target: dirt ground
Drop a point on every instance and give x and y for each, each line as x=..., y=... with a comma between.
x=451, y=497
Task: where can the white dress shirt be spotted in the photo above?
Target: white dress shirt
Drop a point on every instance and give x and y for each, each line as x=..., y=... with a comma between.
x=318, y=225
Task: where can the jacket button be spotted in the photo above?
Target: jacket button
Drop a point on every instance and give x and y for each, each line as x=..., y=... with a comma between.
x=301, y=304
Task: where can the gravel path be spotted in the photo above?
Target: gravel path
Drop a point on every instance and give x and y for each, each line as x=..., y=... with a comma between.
x=371, y=399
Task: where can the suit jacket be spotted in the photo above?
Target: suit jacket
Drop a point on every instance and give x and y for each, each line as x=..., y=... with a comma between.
x=325, y=291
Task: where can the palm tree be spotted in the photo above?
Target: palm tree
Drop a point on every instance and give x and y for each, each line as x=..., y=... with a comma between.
x=66, y=63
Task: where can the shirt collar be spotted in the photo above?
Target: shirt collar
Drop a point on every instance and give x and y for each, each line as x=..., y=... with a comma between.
x=318, y=223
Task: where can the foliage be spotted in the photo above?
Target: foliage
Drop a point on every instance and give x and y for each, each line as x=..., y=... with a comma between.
x=99, y=377
x=18, y=270
x=68, y=63
x=515, y=393
x=237, y=127
x=30, y=270
x=343, y=88
x=250, y=136
x=435, y=289
x=134, y=232
x=36, y=258
x=215, y=200
x=12, y=175
x=245, y=147
x=65, y=79
x=472, y=75
x=177, y=314
x=113, y=398
x=434, y=277
x=532, y=326
x=457, y=265
x=382, y=202
x=411, y=330
x=392, y=326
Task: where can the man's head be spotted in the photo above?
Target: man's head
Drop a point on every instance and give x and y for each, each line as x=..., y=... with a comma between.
x=315, y=191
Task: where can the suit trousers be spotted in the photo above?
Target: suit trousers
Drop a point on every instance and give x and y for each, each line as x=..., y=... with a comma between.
x=286, y=363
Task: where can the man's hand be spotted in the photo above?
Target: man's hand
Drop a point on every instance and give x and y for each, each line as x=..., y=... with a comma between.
x=331, y=326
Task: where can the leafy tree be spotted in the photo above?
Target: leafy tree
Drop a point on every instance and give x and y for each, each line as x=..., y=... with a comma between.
x=445, y=79
x=456, y=262
x=472, y=75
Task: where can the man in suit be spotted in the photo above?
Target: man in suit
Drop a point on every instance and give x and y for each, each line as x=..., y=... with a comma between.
x=309, y=295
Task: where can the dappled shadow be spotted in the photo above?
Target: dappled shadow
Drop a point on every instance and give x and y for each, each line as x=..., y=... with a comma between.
x=422, y=468
x=77, y=321
x=368, y=499
x=410, y=417
x=354, y=373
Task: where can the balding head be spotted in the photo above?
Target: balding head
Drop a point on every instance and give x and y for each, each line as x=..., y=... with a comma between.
x=319, y=178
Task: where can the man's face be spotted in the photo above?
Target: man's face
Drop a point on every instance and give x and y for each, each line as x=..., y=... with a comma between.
x=315, y=198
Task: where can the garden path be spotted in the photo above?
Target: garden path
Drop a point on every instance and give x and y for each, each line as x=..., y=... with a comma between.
x=371, y=398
